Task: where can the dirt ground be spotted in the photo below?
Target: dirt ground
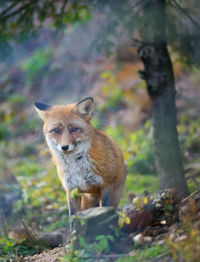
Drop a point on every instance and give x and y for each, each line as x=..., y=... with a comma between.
x=53, y=255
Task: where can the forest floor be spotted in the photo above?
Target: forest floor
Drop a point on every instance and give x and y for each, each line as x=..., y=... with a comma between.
x=172, y=237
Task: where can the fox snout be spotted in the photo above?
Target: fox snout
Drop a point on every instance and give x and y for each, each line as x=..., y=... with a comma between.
x=65, y=148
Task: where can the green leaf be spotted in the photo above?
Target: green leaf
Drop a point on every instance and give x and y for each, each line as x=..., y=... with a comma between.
x=75, y=193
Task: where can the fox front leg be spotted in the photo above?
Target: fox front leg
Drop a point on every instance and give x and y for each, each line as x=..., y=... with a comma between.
x=73, y=203
x=73, y=206
x=106, y=198
x=110, y=195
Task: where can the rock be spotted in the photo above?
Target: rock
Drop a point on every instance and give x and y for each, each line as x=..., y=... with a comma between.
x=95, y=221
x=33, y=237
x=53, y=239
x=140, y=239
x=100, y=221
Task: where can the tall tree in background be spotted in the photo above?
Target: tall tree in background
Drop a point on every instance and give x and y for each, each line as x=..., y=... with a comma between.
x=159, y=77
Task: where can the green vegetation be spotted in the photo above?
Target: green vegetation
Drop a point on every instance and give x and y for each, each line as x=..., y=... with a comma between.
x=145, y=255
x=10, y=249
x=35, y=64
x=87, y=252
x=137, y=148
x=100, y=249
x=188, y=247
x=189, y=130
x=43, y=198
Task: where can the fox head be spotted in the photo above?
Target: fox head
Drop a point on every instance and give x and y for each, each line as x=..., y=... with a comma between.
x=67, y=129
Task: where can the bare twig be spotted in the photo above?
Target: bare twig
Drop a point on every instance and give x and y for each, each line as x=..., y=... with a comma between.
x=191, y=195
x=29, y=235
x=9, y=8
x=63, y=6
x=187, y=14
x=19, y=10
x=138, y=3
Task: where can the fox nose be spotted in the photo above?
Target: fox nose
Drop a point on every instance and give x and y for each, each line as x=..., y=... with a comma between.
x=65, y=148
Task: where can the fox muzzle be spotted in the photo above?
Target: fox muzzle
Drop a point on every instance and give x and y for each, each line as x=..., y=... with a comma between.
x=65, y=148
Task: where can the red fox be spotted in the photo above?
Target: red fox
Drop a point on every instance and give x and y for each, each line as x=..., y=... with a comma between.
x=86, y=158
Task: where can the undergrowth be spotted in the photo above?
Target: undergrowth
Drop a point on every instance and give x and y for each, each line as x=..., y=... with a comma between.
x=42, y=198
x=187, y=247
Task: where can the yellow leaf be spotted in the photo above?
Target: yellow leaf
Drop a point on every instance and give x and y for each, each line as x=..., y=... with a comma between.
x=127, y=220
x=105, y=75
x=145, y=200
x=126, y=155
x=140, y=201
x=120, y=222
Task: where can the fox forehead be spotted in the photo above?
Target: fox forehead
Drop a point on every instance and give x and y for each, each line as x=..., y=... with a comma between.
x=61, y=116
x=61, y=110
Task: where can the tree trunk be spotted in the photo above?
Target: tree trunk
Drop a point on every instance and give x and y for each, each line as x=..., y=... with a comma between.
x=158, y=74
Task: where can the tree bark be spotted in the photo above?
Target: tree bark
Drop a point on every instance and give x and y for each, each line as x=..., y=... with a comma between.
x=159, y=77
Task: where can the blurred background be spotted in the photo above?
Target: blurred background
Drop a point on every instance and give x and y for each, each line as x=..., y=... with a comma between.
x=88, y=54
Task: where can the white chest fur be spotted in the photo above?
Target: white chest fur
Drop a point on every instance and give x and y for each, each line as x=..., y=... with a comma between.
x=76, y=167
x=78, y=172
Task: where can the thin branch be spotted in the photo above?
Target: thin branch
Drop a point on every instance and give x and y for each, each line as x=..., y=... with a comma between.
x=191, y=195
x=9, y=8
x=63, y=7
x=19, y=10
x=138, y=3
x=187, y=14
x=29, y=235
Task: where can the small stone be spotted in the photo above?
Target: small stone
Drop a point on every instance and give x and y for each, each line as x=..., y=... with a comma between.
x=163, y=222
x=147, y=239
x=181, y=238
x=138, y=238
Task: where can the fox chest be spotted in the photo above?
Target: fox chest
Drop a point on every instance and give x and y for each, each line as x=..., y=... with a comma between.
x=77, y=173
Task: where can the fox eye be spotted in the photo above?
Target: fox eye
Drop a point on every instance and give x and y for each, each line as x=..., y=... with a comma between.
x=56, y=130
x=74, y=129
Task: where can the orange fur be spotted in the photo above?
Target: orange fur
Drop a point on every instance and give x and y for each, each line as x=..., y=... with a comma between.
x=85, y=157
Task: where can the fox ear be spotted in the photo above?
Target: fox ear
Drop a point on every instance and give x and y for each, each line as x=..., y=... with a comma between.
x=85, y=108
x=41, y=109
